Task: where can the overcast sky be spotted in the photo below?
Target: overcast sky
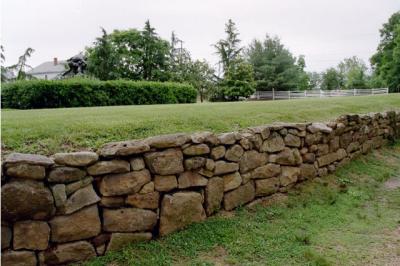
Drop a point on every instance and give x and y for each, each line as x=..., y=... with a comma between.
x=325, y=31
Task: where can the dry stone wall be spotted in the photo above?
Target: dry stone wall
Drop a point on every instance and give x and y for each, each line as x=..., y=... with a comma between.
x=73, y=206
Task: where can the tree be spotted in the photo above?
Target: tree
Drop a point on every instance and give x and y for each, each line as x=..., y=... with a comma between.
x=103, y=59
x=229, y=48
x=274, y=66
x=4, y=70
x=21, y=66
x=386, y=62
x=201, y=77
x=331, y=79
x=180, y=60
x=315, y=80
x=353, y=73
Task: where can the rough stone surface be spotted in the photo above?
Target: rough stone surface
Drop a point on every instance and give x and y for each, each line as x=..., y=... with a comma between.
x=112, y=202
x=195, y=163
x=26, y=199
x=204, y=137
x=218, y=152
x=18, y=258
x=234, y=153
x=232, y=181
x=122, y=184
x=65, y=174
x=222, y=167
x=266, y=171
x=23, y=170
x=289, y=175
x=198, y=149
x=59, y=195
x=128, y=220
x=75, y=186
x=144, y=201
x=191, y=179
x=69, y=253
x=227, y=138
x=137, y=164
x=266, y=187
x=287, y=157
x=292, y=140
x=251, y=160
x=79, y=225
x=33, y=235
x=166, y=162
x=82, y=158
x=307, y=171
x=147, y=188
x=109, y=167
x=168, y=141
x=214, y=194
x=274, y=143
x=319, y=127
x=165, y=183
x=81, y=198
x=124, y=148
x=239, y=196
x=179, y=210
x=331, y=157
x=6, y=236
x=33, y=159
x=121, y=240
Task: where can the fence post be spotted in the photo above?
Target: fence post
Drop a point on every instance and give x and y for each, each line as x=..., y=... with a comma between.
x=289, y=95
x=273, y=94
x=305, y=93
x=320, y=93
x=354, y=92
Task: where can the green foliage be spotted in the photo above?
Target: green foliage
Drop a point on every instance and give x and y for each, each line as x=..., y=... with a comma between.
x=86, y=92
x=275, y=67
x=386, y=61
x=353, y=73
x=21, y=67
x=331, y=79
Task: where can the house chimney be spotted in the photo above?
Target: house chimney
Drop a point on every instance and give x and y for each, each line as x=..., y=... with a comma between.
x=55, y=60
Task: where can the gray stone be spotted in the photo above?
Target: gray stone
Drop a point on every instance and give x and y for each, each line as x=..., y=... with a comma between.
x=124, y=148
x=165, y=183
x=274, y=143
x=109, y=167
x=234, y=153
x=69, y=253
x=319, y=127
x=198, y=149
x=122, y=184
x=214, y=194
x=167, y=162
x=239, y=196
x=60, y=195
x=179, y=210
x=144, y=201
x=23, y=170
x=128, y=220
x=222, y=167
x=33, y=235
x=227, y=138
x=204, y=137
x=251, y=160
x=191, y=179
x=18, y=258
x=25, y=200
x=168, y=141
x=82, y=158
x=81, y=198
x=232, y=181
x=121, y=240
x=266, y=187
x=65, y=174
x=33, y=159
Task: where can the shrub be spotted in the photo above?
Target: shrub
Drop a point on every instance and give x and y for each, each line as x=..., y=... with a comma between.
x=79, y=92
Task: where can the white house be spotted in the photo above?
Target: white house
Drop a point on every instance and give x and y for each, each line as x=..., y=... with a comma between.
x=49, y=70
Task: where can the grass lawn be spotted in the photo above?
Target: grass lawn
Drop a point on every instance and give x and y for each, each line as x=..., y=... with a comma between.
x=349, y=218
x=48, y=131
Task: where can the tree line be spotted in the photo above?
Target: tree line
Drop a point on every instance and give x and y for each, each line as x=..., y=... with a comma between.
x=261, y=65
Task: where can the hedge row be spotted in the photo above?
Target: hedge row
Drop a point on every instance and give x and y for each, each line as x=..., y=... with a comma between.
x=86, y=92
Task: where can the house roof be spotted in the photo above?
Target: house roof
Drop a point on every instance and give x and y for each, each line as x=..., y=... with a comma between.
x=49, y=67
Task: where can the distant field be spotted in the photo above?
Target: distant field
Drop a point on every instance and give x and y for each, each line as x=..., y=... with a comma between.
x=48, y=131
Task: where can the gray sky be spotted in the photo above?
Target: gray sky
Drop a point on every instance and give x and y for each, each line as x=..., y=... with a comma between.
x=325, y=31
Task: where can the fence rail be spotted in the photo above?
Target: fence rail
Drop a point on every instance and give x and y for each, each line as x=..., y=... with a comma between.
x=281, y=95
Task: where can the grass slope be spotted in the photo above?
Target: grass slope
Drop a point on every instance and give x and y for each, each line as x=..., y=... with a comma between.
x=48, y=131
x=349, y=218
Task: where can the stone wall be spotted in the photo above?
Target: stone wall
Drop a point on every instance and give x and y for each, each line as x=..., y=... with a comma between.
x=73, y=206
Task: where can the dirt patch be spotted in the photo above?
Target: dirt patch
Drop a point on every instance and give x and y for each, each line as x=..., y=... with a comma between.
x=392, y=183
x=276, y=199
x=217, y=256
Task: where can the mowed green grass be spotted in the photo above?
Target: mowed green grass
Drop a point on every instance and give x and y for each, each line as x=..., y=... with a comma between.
x=48, y=131
x=349, y=218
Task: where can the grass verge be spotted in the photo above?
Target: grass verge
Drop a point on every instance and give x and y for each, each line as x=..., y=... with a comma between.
x=48, y=131
x=349, y=218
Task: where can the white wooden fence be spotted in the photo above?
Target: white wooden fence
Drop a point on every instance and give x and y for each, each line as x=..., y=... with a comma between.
x=287, y=95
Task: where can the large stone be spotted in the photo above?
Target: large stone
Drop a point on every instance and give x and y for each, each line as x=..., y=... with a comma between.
x=121, y=240
x=81, y=198
x=18, y=258
x=124, y=148
x=198, y=149
x=292, y=140
x=25, y=200
x=274, y=143
x=112, y=202
x=59, y=195
x=165, y=183
x=313, y=138
x=319, y=127
x=239, y=196
x=227, y=138
x=147, y=188
x=234, y=153
x=144, y=201
x=204, y=137
x=214, y=194
x=75, y=186
x=109, y=167
x=218, y=152
x=33, y=235
x=191, y=179
x=137, y=164
x=251, y=160
x=307, y=171
x=22, y=158
x=334, y=144
x=121, y=184
x=195, y=163
x=69, y=253
x=287, y=157
x=331, y=157
x=82, y=158
x=266, y=171
x=264, y=131
x=266, y=187
x=128, y=220
x=168, y=141
x=6, y=236
x=232, y=181
x=179, y=210
x=289, y=175
x=65, y=174
x=79, y=225
x=29, y=171
x=222, y=167
x=166, y=162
